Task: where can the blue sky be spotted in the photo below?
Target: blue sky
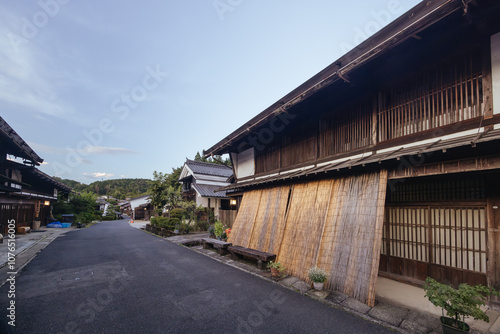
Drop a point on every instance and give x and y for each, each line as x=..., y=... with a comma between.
x=111, y=89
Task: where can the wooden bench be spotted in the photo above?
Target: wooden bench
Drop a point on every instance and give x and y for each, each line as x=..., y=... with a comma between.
x=261, y=257
x=221, y=246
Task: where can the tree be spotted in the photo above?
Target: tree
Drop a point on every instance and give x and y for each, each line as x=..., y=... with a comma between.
x=217, y=159
x=164, y=193
x=83, y=206
x=173, y=178
x=158, y=191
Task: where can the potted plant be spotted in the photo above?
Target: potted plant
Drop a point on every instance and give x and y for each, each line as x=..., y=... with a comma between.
x=318, y=277
x=466, y=301
x=276, y=268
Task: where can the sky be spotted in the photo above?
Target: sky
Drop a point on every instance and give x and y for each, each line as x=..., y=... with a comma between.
x=118, y=89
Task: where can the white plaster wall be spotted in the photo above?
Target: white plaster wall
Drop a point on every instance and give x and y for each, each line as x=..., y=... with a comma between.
x=245, y=163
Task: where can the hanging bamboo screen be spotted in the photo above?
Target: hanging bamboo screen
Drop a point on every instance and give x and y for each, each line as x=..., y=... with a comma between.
x=243, y=225
x=352, y=238
x=332, y=224
x=269, y=223
x=304, y=226
x=260, y=221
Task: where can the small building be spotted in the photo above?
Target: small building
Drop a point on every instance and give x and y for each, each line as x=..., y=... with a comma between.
x=26, y=193
x=201, y=182
x=140, y=207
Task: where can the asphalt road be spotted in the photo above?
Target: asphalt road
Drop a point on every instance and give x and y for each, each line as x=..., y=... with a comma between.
x=112, y=278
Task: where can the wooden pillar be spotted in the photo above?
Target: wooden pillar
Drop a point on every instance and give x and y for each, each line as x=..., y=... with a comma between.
x=493, y=223
x=487, y=83
x=208, y=211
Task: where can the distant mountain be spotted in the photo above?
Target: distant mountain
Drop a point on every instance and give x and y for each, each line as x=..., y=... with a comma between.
x=118, y=188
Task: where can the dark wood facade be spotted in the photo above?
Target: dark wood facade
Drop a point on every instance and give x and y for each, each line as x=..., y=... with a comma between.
x=421, y=109
x=26, y=193
x=448, y=96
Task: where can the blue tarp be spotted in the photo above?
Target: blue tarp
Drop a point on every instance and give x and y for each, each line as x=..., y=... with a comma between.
x=55, y=225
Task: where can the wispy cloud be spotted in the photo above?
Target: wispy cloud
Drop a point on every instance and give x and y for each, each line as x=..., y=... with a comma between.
x=98, y=175
x=101, y=150
x=96, y=150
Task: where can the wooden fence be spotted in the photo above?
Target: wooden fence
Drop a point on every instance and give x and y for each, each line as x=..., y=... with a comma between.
x=227, y=217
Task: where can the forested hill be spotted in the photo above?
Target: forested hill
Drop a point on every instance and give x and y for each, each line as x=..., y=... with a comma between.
x=119, y=188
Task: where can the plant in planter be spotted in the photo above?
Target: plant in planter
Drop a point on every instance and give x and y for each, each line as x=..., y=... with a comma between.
x=276, y=267
x=466, y=301
x=318, y=277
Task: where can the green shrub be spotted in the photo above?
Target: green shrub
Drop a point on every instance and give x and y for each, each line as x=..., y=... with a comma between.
x=218, y=229
x=201, y=226
x=164, y=222
x=466, y=301
x=178, y=213
x=183, y=228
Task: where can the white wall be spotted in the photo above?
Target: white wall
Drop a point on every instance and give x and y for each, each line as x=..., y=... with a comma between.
x=245, y=163
x=134, y=203
x=214, y=203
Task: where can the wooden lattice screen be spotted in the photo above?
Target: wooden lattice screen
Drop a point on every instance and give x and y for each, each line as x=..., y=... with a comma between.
x=449, y=93
x=446, y=236
x=334, y=224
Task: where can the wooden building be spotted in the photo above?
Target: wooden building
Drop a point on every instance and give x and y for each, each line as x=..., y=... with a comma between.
x=26, y=193
x=387, y=162
x=200, y=183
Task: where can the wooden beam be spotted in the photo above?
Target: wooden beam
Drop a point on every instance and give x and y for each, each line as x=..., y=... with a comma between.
x=448, y=167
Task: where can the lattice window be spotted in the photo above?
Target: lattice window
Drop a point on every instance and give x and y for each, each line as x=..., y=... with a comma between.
x=459, y=236
x=408, y=233
x=443, y=235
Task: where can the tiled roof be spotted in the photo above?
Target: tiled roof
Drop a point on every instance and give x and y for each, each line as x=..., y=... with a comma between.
x=13, y=144
x=207, y=190
x=207, y=168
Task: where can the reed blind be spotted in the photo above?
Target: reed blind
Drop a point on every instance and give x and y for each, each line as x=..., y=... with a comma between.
x=334, y=224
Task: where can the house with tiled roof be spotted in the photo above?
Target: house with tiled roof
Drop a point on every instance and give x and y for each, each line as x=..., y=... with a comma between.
x=201, y=182
x=26, y=193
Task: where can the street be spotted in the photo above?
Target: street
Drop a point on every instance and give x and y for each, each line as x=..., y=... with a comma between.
x=111, y=278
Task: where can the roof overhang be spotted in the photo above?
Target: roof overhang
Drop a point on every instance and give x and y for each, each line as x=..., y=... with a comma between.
x=13, y=144
x=403, y=28
x=371, y=160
